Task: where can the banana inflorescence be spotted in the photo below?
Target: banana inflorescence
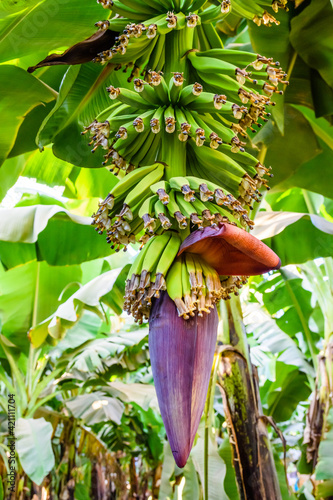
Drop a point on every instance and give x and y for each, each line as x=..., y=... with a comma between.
x=146, y=27
x=175, y=134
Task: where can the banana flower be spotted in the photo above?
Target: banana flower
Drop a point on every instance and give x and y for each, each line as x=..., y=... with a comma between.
x=182, y=351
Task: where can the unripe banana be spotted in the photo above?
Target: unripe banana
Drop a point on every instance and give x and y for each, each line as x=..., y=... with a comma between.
x=189, y=94
x=133, y=99
x=169, y=254
x=156, y=249
x=143, y=186
x=131, y=180
x=147, y=206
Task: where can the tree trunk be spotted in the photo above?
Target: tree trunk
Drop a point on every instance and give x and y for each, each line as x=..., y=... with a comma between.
x=252, y=455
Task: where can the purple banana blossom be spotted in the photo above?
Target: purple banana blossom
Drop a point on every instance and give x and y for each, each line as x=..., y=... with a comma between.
x=182, y=351
x=181, y=355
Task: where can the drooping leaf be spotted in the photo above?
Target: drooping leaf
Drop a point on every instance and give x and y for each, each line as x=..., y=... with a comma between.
x=96, y=407
x=89, y=296
x=81, y=52
x=34, y=447
x=50, y=233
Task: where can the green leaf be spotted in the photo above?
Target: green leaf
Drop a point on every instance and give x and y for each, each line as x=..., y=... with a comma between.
x=279, y=230
x=26, y=135
x=46, y=168
x=89, y=182
x=314, y=175
x=19, y=94
x=46, y=25
x=25, y=286
x=95, y=408
x=312, y=37
x=143, y=395
x=93, y=355
x=319, y=125
x=53, y=234
x=286, y=494
x=191, y=490
x=34, y=447
x=68, y=312
x=281, y=397
x=10, y=171
x=230, y=484
x=82, y=97
x=286, y=156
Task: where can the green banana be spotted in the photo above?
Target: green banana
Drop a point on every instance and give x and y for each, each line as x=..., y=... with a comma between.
x=175, y=88
x=212, y=36
x=189, y=94
x=133, y=99
x=147, y=207
x=131, y=179
x=155, y=251
x=146, y=91
x=169, y=254
x=208, y=103
x=152, y=153
x=134, y=196
x=137, y=158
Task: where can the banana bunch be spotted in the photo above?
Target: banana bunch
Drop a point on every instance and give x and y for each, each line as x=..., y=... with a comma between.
x=195, y=287
x=191, y=283
x=139, y=125
x=145, y=28
x=146, y=277
x=119, y=214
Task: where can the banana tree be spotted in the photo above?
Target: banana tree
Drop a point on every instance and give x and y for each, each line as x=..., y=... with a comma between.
x=177, y=139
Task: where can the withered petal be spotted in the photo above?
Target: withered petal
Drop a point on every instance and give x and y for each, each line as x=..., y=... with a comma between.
x=181, y=354
x=231, y=251
x=81, y=52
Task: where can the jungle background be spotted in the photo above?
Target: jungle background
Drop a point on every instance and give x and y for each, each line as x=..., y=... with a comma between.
x=87, y=419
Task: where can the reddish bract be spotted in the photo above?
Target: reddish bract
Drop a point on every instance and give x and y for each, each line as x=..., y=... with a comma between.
x=231, y=251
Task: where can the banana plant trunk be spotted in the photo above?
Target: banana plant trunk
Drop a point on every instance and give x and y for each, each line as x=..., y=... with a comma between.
x=252, y=456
